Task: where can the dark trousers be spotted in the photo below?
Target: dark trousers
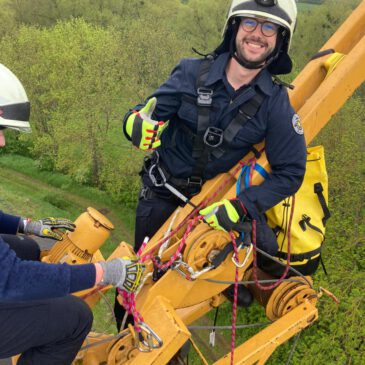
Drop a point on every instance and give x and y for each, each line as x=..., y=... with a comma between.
x=47, y=331
x=150, y=216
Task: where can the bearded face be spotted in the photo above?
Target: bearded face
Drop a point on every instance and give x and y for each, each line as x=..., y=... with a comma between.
x=254, y=46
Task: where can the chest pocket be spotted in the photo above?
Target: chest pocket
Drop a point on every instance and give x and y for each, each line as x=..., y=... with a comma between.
x=188, y=113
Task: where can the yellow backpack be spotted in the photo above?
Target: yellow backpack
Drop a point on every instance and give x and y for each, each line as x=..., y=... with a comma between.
x=309, y=217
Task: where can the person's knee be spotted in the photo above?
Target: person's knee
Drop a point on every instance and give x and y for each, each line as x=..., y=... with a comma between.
x=33, y=249
x=24, y=247
x=81, y=314
x=85, y=314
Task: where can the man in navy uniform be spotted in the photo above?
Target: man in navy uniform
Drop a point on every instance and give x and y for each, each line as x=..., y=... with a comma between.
x=211, y=112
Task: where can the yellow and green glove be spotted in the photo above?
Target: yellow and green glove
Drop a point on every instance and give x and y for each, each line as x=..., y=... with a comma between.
x=226, y=215
x=145, y=132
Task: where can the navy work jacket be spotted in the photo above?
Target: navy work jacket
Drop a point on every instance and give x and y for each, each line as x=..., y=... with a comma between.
x=275, y=122
x=25, y=280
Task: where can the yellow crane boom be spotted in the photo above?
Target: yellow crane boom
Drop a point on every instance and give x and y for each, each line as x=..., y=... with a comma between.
x=186, y=293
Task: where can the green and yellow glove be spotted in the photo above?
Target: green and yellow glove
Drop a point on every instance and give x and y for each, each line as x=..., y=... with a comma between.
x=226, y=215
x=145, y=132
x=47, y=227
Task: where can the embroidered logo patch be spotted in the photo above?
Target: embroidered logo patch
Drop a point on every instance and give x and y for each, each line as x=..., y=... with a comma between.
x=297, y=125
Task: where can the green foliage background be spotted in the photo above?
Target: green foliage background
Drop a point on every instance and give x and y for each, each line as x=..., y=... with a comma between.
x=84, y=63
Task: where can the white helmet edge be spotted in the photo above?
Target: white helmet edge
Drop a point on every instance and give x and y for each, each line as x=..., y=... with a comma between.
x=14, y=104
x=284, y=13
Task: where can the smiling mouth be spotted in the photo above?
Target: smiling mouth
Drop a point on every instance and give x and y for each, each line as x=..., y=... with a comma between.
x=255, y=45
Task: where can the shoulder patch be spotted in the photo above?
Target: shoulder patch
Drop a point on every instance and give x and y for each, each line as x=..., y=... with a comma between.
x=297, y=125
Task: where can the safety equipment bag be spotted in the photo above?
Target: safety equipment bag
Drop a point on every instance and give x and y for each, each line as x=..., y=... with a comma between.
x=307, y=231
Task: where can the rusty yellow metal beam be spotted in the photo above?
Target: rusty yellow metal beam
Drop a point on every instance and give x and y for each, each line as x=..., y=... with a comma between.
x=343, y=41
x=333, y=91
x=260, y=347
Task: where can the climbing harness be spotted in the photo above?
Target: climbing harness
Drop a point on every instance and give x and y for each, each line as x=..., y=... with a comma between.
x=160, y=177
x=211, y=140
x=208, y=140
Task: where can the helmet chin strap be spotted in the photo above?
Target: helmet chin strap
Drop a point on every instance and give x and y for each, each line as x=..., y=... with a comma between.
x=248, y=64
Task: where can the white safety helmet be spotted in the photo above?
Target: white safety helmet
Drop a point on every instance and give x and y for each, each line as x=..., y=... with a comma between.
x=14, y=104
x=281, y=12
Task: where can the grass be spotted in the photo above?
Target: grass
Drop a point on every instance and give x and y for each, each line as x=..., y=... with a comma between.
x=65, y=184
x=34, y=193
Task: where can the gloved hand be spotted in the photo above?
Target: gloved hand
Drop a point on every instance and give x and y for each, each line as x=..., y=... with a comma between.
x=226, y=215
x=144, y=131
x=122, y=273
x=46, y=227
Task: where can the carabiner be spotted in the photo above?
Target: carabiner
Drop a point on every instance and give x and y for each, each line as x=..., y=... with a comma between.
x=244, y=262
x=150, y=339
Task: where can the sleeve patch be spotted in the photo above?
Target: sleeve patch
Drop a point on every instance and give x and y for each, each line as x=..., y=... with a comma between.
x=297, y=125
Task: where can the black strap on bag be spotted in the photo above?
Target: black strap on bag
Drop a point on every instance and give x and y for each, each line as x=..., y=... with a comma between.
x=318, y=189
x=306, y=221
x=299, y=256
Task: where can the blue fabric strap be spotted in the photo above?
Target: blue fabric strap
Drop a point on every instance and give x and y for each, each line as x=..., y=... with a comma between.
x=245, y=176
x=262, y=171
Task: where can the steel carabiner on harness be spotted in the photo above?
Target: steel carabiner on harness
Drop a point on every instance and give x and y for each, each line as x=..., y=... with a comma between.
x=163, y=182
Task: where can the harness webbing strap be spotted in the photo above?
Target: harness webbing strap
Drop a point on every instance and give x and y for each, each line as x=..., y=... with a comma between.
x=246, y=112
x=318, y=189
x=204, y=104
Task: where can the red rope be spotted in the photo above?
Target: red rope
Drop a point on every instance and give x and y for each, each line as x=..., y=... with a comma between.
x=235, y=298
x=129, y=303
x=150, y=256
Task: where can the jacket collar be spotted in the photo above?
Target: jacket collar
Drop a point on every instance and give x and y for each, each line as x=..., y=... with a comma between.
x=217, y=72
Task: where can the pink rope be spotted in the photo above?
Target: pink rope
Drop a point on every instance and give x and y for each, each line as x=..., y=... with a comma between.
x=235, y=298
x=254, y=271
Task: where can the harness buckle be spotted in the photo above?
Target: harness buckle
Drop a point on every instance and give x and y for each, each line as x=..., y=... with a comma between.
x=195, y=180
x=213, y=137
x=144, y=193
x=204, y=96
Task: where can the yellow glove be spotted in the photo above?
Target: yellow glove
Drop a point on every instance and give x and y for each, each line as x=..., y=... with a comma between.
x=145, y=132
x=226, y=215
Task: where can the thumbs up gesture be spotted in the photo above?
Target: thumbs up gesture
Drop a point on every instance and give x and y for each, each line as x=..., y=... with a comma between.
x=143, y=130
